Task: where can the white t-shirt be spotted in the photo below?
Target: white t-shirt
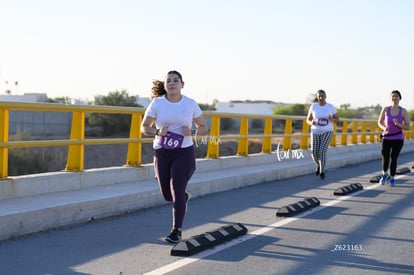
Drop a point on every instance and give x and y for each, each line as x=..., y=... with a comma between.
x=174, y=115
x=321, y=114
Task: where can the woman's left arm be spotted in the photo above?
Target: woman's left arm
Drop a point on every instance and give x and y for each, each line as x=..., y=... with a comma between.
x=335, y=117
x=201, y=126
x=405, y=125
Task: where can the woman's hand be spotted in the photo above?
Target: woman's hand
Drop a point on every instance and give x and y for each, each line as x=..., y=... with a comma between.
x=163, y=131
x=333, y=118
x=186, y=131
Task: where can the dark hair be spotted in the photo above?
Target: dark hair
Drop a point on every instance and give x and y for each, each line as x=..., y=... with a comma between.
x=158, y=88
x=397, y=92
x=177, y=73
x=316, y=95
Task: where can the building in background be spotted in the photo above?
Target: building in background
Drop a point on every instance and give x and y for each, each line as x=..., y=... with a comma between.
x=143, y=101
x=26, y=97
x=258, y=107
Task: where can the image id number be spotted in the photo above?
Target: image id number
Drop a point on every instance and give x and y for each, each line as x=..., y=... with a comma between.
x=347, y=247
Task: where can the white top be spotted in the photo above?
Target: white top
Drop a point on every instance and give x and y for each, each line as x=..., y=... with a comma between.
x=173, y=115
x=321, y=114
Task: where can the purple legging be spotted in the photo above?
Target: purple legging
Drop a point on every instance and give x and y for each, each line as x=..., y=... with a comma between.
x=390, y=150
x=173, y=170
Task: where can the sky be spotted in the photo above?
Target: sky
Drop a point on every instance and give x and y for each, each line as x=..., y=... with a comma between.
x=358, y=51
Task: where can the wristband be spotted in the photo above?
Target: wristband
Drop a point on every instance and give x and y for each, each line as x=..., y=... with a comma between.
x=157, y=132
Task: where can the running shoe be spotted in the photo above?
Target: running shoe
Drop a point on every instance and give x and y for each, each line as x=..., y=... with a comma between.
x=322, y=175
x=383, y=179
x=317, y=171
x=174, y=237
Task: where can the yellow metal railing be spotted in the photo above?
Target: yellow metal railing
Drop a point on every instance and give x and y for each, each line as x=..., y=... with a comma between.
x=268, y=135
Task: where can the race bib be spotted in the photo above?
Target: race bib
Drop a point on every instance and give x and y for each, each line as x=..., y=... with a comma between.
x=323, y=121
x=171, y=141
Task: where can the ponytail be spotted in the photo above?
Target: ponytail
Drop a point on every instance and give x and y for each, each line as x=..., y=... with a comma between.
x=158, y=88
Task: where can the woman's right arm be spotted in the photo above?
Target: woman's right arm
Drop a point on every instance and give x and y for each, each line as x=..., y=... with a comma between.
x=309, y=118
x=146, y=126
x=381, y=120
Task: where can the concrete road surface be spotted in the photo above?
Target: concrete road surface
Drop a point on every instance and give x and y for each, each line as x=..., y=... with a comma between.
x=367, y=232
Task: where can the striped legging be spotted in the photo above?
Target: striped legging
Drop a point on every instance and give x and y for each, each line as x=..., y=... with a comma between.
x=319, y=147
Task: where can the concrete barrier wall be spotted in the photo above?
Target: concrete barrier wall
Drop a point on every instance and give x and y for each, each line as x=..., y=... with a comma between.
x=37, y=184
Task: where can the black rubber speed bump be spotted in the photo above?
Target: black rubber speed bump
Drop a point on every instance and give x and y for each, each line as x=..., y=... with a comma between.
x=298, y=207
x=207, y=240
x=402, y=170
x=348, y=189
x=375, y=179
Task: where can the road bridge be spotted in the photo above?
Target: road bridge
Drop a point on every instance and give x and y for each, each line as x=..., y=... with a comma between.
x=47, y=201
x=137, y=218
x=367, y=232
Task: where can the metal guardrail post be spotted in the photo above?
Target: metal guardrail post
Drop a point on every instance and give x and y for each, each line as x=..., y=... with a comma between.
x=344, y=138
x=134, y=155
x=213, y=144
x=4, y=138
x=333, y=140
x=372, y=127
x=355, y=133
x=287, y=141
x=75, y=161
x=363, y=130
x=304, y=141
x=267, y=141
x=243, y=146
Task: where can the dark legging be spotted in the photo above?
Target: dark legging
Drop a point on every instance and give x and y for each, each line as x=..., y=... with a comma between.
x=173, y=170
x=319, y=147
x=390, y=150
